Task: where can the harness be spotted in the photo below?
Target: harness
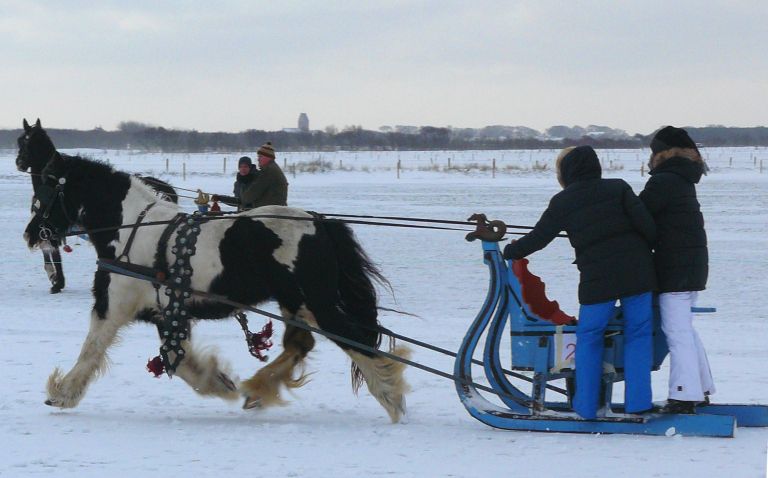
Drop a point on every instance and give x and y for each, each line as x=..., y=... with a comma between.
x=53, y=221
x=174, y=323
x=129, y=243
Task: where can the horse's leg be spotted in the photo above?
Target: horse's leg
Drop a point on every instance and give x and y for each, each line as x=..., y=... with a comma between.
x=384, y=378
x=205, y=373
x=65, y=391
x=53, y=267
x=263, y=389
x=382, y=375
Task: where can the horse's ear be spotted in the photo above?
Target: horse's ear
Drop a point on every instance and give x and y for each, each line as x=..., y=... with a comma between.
x=37, y=124
x=26, y=125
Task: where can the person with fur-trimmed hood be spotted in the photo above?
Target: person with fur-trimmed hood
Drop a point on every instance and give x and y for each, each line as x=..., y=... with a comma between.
x=681, y=259
x=611, y=231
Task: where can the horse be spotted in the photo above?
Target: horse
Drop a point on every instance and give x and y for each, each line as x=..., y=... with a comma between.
x=315, y=269
x=33, y=161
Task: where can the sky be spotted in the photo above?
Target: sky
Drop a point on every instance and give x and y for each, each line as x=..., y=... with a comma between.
x=238, y=65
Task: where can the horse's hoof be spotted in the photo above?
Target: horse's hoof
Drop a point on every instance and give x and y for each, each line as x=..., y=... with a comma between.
x=251, y=403
x=227, y=382
x=52, y=403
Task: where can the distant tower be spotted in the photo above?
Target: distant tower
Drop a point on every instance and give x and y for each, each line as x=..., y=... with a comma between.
x=303, y=123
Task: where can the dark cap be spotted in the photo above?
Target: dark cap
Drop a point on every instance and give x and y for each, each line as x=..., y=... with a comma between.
x=670, y=137
x=244, y=160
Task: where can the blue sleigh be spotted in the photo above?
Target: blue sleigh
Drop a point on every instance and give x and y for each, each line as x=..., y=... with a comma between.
x=542, y=342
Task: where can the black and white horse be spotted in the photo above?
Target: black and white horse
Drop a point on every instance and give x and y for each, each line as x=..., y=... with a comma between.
x=35, y=150
x=316, y=271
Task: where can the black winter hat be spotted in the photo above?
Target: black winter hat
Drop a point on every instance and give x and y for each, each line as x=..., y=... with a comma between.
x=670, y=137
x=244, y=160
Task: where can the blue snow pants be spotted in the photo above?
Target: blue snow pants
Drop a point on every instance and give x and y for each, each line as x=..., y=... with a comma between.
x=638, y=350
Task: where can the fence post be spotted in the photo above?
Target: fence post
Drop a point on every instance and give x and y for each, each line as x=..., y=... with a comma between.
x=642, y=169
x=166, y=165
x=224, y=167
x=184, y=171
x=285, y=163
x=730, y=162
x=340, y=165
x=449, y=163
x=398, y=169
x=493, y=169
x=761, y=166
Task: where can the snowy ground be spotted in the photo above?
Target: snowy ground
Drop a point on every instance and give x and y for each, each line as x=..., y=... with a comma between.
x=130, y=424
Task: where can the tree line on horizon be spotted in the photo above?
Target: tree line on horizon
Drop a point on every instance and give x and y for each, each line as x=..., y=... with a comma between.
x=137, y=136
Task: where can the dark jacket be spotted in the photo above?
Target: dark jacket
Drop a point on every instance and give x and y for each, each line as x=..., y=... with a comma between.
x=607, y=225
x=241, y=183
x=680, y=250
x=269, y=188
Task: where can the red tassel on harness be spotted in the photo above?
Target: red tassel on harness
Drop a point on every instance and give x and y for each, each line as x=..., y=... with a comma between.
x=261, y=339
x=67, y=248
x=215, y=207
x=156, y=366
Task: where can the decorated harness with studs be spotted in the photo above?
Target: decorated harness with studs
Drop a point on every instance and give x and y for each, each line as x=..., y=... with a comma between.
x=173, y=325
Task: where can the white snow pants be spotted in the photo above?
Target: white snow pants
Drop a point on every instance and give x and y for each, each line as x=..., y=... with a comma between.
x=689, y=377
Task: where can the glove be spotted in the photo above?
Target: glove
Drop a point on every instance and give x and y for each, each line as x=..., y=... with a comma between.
x=509, y=250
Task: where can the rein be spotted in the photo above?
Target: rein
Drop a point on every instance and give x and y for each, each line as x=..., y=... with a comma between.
x=330, y=217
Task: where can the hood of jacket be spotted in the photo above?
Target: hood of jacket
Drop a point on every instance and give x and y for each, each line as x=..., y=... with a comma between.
x=580, y=164
x=685, y=162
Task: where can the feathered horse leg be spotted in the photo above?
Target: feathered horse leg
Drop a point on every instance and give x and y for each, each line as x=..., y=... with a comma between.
x=263, y=389
x=66, y=391
x=206, y=373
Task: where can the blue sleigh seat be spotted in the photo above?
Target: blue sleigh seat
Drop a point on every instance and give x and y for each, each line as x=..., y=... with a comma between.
x=537, y=323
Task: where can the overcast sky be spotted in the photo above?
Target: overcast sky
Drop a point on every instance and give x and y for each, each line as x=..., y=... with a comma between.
x=236, y=65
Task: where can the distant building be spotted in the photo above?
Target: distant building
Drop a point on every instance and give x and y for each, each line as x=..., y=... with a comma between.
x=303, y=123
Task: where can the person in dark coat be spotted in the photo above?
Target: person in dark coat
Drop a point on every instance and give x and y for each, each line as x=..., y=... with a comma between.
x=682, y=262
x=611, y=231
x=246, y=174
x=270, y=187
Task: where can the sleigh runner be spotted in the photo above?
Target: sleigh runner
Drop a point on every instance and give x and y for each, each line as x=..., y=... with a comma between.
x=542, y=341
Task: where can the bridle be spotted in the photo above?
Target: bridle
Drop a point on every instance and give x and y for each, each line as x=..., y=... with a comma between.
x=50, y=209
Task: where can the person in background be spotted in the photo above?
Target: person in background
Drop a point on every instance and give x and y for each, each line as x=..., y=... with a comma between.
x=611, y=231
x=270, y=187
x=246, y=174
x=682, y=262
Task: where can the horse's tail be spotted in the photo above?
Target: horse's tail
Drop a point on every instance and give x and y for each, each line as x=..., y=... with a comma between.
x=357, y=273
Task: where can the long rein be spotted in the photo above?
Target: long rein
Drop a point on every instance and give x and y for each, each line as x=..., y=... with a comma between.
x=360, y=219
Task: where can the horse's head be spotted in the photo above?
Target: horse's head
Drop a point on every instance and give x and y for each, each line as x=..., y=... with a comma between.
x=35, y=148
x=55, y=205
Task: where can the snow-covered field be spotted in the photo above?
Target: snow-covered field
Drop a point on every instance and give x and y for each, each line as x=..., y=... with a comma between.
x=130, y=424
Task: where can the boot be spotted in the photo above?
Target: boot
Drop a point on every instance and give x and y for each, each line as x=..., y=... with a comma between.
x=681, y=407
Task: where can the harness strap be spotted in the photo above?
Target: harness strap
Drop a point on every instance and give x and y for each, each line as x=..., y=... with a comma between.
x=161, y=262
x=127, y=248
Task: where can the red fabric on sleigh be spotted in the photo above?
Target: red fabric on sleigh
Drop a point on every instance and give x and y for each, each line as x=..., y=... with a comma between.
x=534, y=294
